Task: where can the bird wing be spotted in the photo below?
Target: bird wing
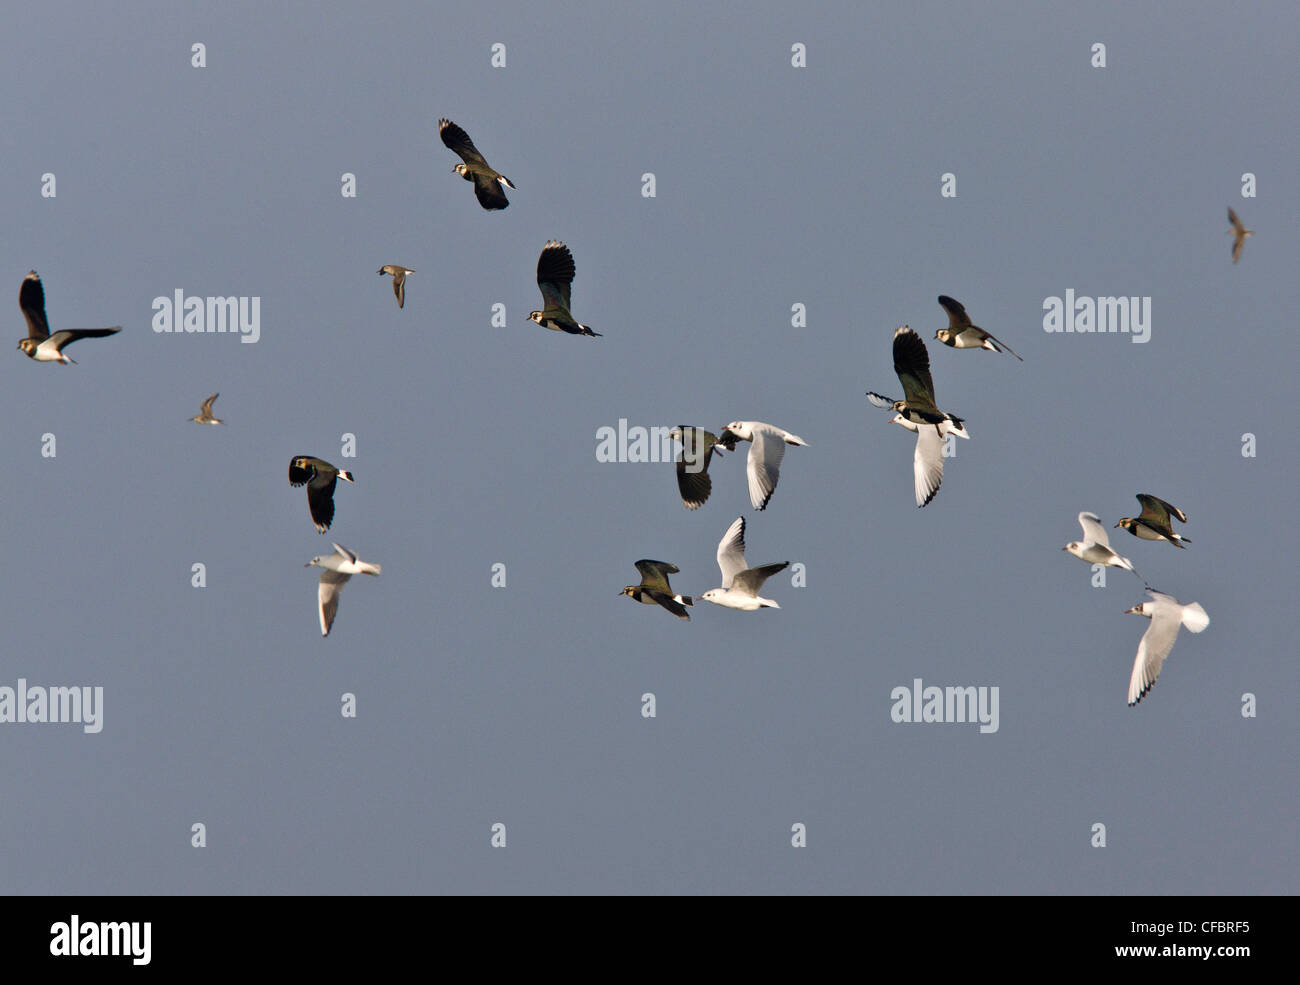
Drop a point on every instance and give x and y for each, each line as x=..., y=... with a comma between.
x=458, y=140
x=343, y=552
x=731, y=552
x=927, y=464
x=1093, y=530
x=31, y=298
x=764, y=465
x=879, y=400
x=1155, y=645
x=912, y=364
x=488, y=192
x=654, y=575
x=1154, y=508
x=751, y=580
x=693, y=480
x=206, y=409
x=1002, y=345
x=957, y=317
x=555, y=271
x=320, y=500
x=65, y=337
x=1236, y=223
x=331, y=586
x=399, y=288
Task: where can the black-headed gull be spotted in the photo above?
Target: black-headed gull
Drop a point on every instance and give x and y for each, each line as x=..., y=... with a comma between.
x=339, y=568
x=1095, y=547
x=740, y=583
x=766, y=450
x=1167, y=614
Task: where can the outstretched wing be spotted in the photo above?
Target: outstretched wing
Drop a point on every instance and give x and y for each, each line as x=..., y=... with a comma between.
x=1093, y=530
x=731, y=552
x=331, y=586
x=555, y=271
x=912, y=364
x=654, y=575
x=458, y=140
x=1155, y=645
x=927, y=465
x=751, y=581
x=488, y=192
x=31, y=298
x=1154, y=508
x=957, y=317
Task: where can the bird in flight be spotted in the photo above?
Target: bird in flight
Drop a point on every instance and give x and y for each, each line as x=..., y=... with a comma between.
x=1240, y=232
x=767, y=448
x=1154, y=523
x=1167, y=616
x=740, y=583
x=320, y=478
x=961, y=334
x=339, y=569
x=204, y=416
x=40, y=344
x=555, y=272
x=918, y=412
x=1095, y=547
x=655, y=590
x=399, y=280
x=698, y=449
x=475, y=168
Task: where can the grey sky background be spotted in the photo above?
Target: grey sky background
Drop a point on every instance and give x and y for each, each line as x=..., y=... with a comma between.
x=476, y=445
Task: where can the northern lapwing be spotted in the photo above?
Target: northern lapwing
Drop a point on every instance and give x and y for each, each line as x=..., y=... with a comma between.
x=1154, y=522
x=918, y=412
x=399, y=280
x=204, y=416
x=319, y=477
x=767, y=448
x=961, y=334
x=655, y=590
x=1240, y=232
x=1095, y=547
x=740, y=583
x=487, y=181
x=1167, y=616
x=40, y=344
x=339, y=568
x=555, y=272
x=698, y=448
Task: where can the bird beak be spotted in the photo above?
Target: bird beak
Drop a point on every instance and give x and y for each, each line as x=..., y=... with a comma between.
x=1136, y=608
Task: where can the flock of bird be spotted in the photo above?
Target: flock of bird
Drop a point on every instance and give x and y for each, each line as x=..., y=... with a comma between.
x=917, y=412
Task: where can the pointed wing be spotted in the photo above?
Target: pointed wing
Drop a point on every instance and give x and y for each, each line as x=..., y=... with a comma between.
x=31, y=298
x=399, y=288
x=206, y=409
x=555, y=272
x=693, y=480
x=927, y=464
x=671, y=604
x=488, y=192
x=764, y=465
x=1155, y=645
x=912, y=364
x=1238, y=245
x=751, y=580
x=458, y=140
x=731, y=552
x=344, y=553
x=1236, y=223
x=331, y=586
x=1002, y=346
x=654, y=575
x=879, y=400
x=64, y=338
x=957, y=317
x=1093, y=530
x=1158, y=510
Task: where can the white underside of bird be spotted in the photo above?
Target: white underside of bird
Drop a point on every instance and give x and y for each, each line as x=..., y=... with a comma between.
x=339, y=569
x=1095, y=547
x=763, y=466
x=740, y=583
x=1167, y=615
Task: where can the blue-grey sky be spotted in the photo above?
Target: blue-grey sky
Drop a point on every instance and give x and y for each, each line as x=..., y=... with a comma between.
x=475, y=445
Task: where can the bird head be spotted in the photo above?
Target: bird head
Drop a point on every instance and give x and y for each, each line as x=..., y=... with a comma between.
x=461, y=170
x=1139, y=610
x=943, y=335
x=1074, y=547
x=535, y=316
x=1127, y=523
x=628, y=590
x=741, y=430
x=712, y=594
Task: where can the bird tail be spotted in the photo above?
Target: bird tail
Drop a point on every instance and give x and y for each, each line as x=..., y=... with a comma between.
x=767, y=604
x=67, y=360
x=586, y=330
x=1178, y=537
x=999, y=346
x=794, y=439
x=505, y=181
x=1195, y=618
x=369, y=569
x=346, y=476
x=683, y=599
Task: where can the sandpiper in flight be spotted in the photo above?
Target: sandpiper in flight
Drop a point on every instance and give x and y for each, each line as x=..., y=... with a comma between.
x=204, y=416
x=399, y=280
x=1240, y=232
